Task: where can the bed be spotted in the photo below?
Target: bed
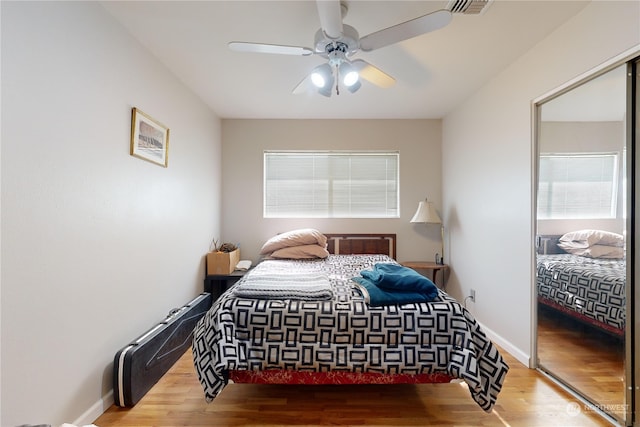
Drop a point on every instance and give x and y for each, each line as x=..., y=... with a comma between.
x=589, y=289
x=343, y=339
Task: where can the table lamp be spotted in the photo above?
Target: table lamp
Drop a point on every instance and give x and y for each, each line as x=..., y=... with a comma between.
x=426, y=214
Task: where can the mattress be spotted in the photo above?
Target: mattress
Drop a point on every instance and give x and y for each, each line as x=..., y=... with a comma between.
x=343, y=334
x=590, y=289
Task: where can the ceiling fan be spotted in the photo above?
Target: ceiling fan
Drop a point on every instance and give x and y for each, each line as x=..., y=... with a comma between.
x=338, y=42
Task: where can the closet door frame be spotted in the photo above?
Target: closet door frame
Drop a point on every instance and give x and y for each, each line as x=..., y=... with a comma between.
x=633, y=227
x=632, y=133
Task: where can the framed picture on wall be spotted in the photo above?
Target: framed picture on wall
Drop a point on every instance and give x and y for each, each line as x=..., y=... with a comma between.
x=149, y=138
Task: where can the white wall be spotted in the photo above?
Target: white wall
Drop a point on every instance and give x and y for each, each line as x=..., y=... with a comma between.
x=244, y=142
x=97, y=246
x=489, y=206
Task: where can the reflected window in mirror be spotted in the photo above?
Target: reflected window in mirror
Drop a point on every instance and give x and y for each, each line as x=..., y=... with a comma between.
x=577, y=185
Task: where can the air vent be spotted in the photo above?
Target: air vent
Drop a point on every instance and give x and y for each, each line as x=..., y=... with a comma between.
x=468, y=7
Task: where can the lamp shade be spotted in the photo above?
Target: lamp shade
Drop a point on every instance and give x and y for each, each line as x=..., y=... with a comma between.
x=354, y=87
x=348, y=74
x=322, y=76
x=426, y=213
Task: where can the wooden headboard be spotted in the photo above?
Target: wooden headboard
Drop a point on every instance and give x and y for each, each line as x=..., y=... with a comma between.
x=347, y=244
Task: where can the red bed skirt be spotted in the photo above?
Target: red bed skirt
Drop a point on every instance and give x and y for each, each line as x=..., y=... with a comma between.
x=276, y=376
x=593, y=322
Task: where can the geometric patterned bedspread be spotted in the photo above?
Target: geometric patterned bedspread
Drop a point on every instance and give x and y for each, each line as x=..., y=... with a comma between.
x=590, y=289
x=345, y=334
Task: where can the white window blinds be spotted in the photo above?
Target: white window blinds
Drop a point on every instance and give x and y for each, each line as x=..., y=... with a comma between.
x=573, y=186
x=331, y=184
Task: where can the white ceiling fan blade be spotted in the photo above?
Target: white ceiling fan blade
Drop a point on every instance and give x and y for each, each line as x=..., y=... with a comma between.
x=270, y=48
x=406, y=30
x=303, y=86
x=330, y=13
x=373, y=74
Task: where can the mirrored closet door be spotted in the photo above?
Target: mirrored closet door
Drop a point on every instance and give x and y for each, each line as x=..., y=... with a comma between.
x=583, y=246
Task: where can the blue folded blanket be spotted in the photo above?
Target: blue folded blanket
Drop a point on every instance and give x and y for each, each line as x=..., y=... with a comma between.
x=389, y=284
x=376, y=296
x=395, y=277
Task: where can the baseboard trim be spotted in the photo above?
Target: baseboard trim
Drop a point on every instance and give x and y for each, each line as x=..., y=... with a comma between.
x=520, y=355
x=97, y=409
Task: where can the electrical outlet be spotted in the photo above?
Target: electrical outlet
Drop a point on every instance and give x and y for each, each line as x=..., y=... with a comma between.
x=472, y=295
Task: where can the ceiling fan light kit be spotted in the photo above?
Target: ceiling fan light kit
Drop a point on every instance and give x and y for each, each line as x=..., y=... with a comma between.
x=354, y=87
x=348, y=73
x=322, y=76
x=337, y=42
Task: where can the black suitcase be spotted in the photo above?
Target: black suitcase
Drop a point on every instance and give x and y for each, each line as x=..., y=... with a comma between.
x=139, y=365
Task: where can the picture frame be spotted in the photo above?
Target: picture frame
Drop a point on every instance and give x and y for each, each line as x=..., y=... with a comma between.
x=149, y=138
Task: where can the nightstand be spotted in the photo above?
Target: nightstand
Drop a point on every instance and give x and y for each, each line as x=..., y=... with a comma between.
x=426, y=265
x=216, y=284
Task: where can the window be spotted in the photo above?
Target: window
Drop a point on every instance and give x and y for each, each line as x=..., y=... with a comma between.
x=575, y=186
x=308, y=184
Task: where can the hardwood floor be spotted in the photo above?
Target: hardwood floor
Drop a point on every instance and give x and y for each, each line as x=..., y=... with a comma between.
x=527, y=399
x=589, y=359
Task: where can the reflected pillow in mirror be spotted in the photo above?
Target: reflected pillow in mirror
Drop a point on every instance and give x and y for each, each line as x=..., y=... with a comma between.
x=583, y=239
x=598, y=251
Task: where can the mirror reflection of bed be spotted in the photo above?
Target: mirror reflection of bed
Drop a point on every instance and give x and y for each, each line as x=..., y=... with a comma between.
x=582, y=210
x=581, y=311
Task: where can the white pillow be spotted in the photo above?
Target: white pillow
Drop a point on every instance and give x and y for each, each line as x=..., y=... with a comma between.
x=583, y=239
x=303, y=236
x=598, y=251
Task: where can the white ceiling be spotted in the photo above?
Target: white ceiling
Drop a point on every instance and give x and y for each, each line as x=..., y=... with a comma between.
x=603, y=98
x=434, y=72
